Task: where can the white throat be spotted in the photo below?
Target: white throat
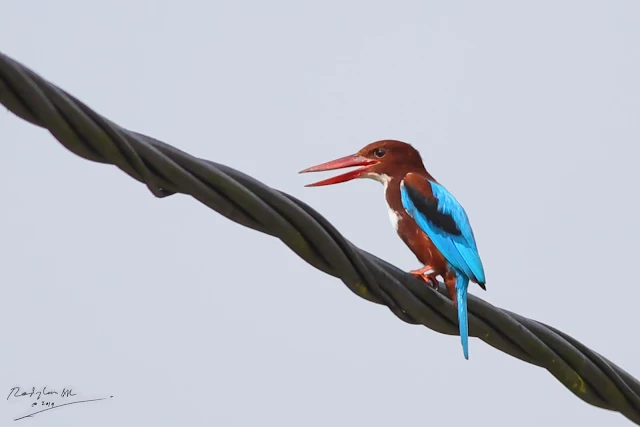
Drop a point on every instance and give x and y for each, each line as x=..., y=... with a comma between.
x=385, y=180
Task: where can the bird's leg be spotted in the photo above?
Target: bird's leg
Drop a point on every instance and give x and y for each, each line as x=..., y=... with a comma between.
x=428, y=274
x=421, y=271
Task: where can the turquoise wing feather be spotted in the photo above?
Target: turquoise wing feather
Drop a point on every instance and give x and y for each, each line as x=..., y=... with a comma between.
x=444, y=220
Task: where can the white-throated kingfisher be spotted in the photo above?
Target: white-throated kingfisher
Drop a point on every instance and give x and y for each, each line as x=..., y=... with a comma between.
x=428, y=219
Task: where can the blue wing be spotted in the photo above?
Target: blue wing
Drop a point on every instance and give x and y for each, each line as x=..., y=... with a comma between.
x=444, y=220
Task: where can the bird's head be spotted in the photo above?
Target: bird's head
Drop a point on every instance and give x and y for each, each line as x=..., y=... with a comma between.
x=380, y=160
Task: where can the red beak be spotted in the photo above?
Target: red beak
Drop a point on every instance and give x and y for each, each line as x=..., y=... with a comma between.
x=344, y=162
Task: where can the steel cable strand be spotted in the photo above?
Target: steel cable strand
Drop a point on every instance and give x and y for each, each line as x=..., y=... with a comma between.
x=167, y=170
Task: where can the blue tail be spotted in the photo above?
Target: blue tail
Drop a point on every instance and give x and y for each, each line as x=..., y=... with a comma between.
x=461, y=296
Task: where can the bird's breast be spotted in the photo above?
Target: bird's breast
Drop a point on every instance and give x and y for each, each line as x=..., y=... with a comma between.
x=409, y=231
x=394, y=217
x=394, y=204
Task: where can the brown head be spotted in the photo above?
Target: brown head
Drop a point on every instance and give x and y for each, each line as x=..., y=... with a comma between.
x=380, y=160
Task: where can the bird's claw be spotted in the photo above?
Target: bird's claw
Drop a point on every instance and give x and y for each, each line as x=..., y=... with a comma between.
x=428, y=275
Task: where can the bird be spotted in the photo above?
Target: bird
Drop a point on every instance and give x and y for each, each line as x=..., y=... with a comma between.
x=425, y=215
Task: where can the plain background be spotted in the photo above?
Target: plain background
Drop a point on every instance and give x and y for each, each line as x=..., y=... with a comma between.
x=528, y=113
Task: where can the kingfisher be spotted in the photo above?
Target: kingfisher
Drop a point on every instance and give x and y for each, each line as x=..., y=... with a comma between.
x=426, y=216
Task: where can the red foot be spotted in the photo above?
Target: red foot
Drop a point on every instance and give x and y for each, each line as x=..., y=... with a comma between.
x=427, y=274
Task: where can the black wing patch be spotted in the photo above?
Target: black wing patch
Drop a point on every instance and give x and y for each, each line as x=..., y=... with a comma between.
x=429, y=208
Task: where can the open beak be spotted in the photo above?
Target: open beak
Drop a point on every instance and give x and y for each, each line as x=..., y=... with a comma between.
x=344, y=162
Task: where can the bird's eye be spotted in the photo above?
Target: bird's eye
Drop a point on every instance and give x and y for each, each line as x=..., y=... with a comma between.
x=379, y=152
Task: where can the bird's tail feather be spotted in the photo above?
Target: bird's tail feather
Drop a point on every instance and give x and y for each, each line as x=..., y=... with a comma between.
x=462, y=283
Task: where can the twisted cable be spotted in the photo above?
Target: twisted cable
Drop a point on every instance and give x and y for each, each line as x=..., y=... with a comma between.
x=166, y=170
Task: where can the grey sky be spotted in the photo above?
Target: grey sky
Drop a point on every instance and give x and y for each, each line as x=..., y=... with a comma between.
x=527, y=113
